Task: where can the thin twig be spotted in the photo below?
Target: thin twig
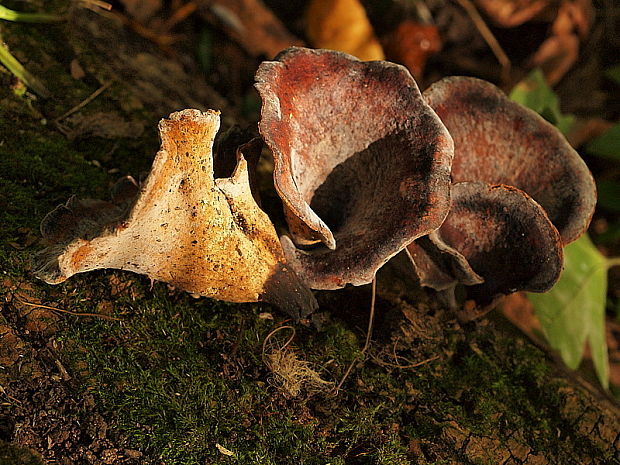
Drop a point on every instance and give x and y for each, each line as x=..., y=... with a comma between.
x=162, y=39
x=402, y=367
x=410, y=364
x=84, y=102
x=61, y=310
x=9, y=396
x=94, y=5
x=346, y=375
x=488, y=37
x=613, y=261
x=270, y=335
x=179, y=15
x=371, y=319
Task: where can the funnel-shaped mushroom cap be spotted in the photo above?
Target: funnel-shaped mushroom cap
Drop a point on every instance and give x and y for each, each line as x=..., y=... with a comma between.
x=203, y=235
x=503, y=234
x=500, y=142
x=361, y=162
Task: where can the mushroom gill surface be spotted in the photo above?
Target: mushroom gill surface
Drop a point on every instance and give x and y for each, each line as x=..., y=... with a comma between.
x=502, y=234
x=184, y=227
x=501, y=142
x=361, y=162
x=440, y=266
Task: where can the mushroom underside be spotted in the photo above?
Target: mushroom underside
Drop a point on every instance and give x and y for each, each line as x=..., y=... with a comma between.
x=370, y=222
x=502, y=234
x=361, y=162
x=501, y=142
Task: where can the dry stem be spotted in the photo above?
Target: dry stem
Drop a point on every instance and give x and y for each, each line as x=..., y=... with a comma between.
x=60, y=310
x=290, y=374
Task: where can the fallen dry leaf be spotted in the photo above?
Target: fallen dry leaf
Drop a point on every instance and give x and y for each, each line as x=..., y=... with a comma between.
x=574, y=15
x=570, y=21
x=203, y=235
x=411, y=43
x=559, y=52
x=556, y=56
x=512, y=13
x=252, y=25
x=224, y=451
x=342, y=25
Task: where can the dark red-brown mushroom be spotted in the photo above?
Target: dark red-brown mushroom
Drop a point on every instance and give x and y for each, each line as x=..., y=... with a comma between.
x=440, y=266
x=497, y=232
x=362, y=163
x=500, y=142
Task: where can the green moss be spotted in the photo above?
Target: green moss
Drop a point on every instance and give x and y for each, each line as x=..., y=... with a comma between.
x=181, y=375
x=495, y=384
x=177, y=375
x=187, y=375
x=168, y=368
x=39, y=169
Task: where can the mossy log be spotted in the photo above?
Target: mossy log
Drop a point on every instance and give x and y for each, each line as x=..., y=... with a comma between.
x=148, y=374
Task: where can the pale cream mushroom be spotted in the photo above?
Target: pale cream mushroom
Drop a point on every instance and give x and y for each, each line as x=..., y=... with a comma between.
x=203, y=235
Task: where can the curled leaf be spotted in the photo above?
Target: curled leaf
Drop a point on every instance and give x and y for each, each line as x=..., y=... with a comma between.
x=362, y=164
x=500, y=142
x=412, y=43
x=344, y=26
x=252, y=24
x=203, y=235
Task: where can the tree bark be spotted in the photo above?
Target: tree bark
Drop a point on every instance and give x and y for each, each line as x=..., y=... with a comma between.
x=450, y=378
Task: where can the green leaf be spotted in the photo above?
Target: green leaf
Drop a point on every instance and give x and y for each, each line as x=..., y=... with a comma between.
x=609, y=195
x=12, y=15
x=204, y=50
x=573, y=312
x=534, y=92
x=613, y=73
x=17, y=69
x=612, y=234
x=606, y=145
